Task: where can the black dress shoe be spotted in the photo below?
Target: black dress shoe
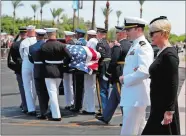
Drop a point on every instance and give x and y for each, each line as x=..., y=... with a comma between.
x=69, y=107
x=32, y=113
x=99, y=114
x=48, y=114
x=54, y=119
x=41, y=116
x=21, y=106
x=74, y=110
x=24, y=111
x=88, y=113
x=100, y=118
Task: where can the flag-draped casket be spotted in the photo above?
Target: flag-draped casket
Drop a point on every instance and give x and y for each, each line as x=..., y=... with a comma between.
x=84, y=58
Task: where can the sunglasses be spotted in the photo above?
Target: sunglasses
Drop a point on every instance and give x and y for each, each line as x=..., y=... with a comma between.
x=152, y=33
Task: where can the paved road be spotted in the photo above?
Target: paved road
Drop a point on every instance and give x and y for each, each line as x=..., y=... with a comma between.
x=16, y=123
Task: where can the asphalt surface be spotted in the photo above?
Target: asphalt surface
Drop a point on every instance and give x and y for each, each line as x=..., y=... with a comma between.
x=13, y=122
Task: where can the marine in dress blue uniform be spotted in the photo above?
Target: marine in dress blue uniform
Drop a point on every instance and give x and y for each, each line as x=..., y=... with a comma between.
x=35, y=58
x=54, y=55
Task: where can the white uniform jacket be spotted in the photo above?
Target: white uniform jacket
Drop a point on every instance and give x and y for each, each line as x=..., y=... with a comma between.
x=24, y=51
x=136, y=87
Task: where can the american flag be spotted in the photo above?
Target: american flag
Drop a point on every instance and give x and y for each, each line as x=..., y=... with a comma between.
x=84, y=58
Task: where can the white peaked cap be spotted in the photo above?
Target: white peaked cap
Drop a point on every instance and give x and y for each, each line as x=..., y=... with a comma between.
x=69, y=33
x=3, y=33
x=91, y=32
x=135, y=20
x=30, y=27
x=50, y=30
x=40, y=31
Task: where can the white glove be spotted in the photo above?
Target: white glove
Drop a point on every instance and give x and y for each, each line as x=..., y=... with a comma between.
x=105, y=78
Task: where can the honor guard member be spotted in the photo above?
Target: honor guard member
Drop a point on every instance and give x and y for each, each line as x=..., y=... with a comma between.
x=114, y=71
x=27, y=70
x=54, y=55
x=78, y=78
x=35, y=58
x=105, y=51
x=81, y=37
x=90, y=80
x=69, y=37
x=135, y=78
x=67, y=76
x=15, y=63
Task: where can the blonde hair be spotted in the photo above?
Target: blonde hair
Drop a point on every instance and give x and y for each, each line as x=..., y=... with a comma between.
x=161, y=25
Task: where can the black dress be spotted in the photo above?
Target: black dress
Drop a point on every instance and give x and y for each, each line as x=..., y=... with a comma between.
x=163, y=95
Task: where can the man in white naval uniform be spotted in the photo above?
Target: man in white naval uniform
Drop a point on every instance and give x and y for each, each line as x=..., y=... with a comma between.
x=67, y=77
x=135, y=80
x=27, y=70
x=90, y=80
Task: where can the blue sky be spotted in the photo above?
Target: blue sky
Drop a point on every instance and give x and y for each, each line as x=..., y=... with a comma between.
x=174, y=10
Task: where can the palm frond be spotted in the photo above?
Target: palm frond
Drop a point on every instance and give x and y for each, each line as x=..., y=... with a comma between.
x=17, y=3
x=34, y=7
x=53, y=12
x=141, y=2
x=42, y=3
x=118, y=13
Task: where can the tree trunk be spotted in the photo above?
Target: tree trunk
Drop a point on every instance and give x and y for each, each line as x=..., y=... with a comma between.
x=107, y=14
x=34, y=19
x=93, y=16
x=14, y=23
x=74, y=15
x=41, y=12
x=141, y=10
x=118, y=22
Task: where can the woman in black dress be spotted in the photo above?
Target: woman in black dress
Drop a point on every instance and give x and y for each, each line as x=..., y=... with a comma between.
x=164, y=114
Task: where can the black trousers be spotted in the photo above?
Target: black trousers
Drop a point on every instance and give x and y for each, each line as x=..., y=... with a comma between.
x=42, y=93
x=78, y=85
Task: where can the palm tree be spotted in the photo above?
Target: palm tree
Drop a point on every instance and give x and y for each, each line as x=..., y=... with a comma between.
x=118, y=13
x=54, y=15
x=34, y=8
x=42, y=3
x=16, y=4
x=27, y=20
x=104, y=10
x=59, y=12
x=93, y=16
x=141, y=9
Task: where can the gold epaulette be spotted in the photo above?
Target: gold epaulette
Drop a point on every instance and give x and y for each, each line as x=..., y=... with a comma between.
x=121, y=62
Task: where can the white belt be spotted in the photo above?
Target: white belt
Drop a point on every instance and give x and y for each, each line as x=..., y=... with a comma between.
x=54, y=62
x=38, y=62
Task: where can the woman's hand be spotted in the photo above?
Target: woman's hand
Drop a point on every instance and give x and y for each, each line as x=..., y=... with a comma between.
x=168, y=116
x=121, y=79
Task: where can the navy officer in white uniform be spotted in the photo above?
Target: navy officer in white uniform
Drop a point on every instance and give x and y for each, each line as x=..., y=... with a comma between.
x=90, y=80
x=27, y=70
x=54, y=55
x=135, y=79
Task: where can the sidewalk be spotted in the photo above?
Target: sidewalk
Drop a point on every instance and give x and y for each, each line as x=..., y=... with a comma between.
x=181, y=103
